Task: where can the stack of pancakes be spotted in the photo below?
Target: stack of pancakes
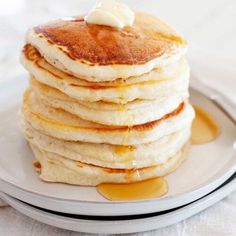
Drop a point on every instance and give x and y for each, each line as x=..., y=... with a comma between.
x=106, y=104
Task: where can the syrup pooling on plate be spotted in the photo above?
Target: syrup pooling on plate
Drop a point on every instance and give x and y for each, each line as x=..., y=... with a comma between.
x=204, y=127
x=146, y=189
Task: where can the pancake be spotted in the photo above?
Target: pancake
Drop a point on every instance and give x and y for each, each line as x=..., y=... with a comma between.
x=159, y=83
x=106, y=104
x=56, y=168
x=133, y=113
x=63, y=125
x=102, y=53
x=111, y=156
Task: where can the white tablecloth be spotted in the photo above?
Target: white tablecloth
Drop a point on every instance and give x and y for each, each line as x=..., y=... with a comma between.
x=209, y=25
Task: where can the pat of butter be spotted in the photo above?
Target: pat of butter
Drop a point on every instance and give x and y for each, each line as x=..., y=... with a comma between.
x=110, y=13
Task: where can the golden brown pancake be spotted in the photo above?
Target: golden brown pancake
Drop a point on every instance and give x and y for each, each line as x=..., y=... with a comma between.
x=158, y=84
x=56, y=168
x=63, y=125
x=132, y=113
x=33, y=55
x=101, y=53
x=103, y=45
x=111, y=156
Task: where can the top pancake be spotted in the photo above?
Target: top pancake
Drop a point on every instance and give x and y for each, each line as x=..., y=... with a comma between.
x=102, y=53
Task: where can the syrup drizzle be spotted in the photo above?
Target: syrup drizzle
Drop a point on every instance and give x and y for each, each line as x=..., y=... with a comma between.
x=204, y=130
x=146, y=189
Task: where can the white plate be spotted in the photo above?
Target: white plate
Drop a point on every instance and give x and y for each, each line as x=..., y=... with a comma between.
x=129, y=225
x=206, y=168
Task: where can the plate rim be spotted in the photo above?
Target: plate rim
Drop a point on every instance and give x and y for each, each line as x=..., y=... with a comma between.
x=99, y=227
x=104, y=208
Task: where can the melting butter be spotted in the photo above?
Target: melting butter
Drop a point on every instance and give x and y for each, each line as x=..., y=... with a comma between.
x=204, y=127
x=110, y=13
x=146, y=189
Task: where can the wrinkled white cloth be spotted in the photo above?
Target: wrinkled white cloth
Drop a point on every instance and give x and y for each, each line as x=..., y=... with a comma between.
x=216, y=70
x=2, y=203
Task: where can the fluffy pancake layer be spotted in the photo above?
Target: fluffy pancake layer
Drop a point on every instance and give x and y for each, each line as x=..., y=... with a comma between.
x=101, y=53
x=157, y=84
x=56, y=168
x=63, y=125
x=110, y=156
x=132, y=113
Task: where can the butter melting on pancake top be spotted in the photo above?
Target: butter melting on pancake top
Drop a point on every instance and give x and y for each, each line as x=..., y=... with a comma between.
x=149, y=38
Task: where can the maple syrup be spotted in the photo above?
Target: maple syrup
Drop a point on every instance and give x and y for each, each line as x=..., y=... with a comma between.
x=126, y=153
x=146, y=189
x=204, y=128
